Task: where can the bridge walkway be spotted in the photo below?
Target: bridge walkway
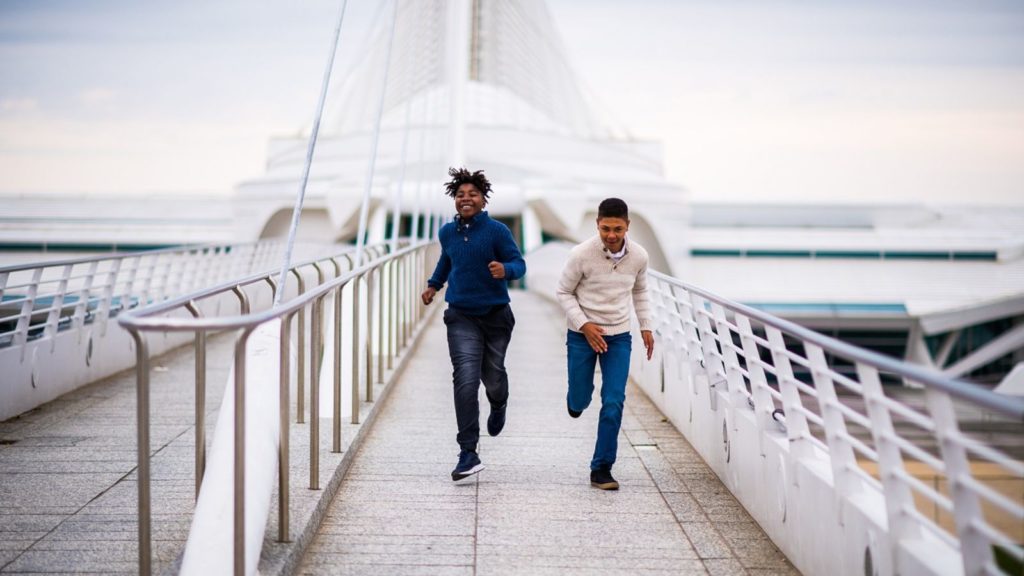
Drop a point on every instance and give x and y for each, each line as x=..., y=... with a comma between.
x=68, y=489
x=532, y=511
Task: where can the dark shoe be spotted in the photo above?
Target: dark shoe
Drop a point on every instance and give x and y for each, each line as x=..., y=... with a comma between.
x=496, y=421
x=572, y=412
x=603, y=479
x=469, y=464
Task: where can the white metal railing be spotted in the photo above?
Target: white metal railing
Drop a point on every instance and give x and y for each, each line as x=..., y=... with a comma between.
x=37, y=301
x=392, y=309
x=904, y=445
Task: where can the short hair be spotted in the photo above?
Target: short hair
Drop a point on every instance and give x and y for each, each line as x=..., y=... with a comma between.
x=612, y=208
x=462, y=176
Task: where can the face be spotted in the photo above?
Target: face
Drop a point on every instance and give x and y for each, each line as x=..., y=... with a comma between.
x=469, y=201
x=612, y=232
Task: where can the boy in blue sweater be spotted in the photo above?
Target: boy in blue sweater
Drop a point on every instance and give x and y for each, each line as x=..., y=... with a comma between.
x=478, y=258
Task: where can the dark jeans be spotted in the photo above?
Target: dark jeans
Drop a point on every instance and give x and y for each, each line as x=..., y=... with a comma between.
x=477, y=346
x=614, y=373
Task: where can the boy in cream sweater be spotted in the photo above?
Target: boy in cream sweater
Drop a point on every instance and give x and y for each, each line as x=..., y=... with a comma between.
x=600, y=278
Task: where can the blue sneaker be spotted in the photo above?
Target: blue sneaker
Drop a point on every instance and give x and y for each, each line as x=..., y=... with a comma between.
x=496, y=420
x=469, y=464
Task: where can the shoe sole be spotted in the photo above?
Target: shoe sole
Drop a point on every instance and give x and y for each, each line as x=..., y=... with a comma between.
x=605, y=485
x=456, y=476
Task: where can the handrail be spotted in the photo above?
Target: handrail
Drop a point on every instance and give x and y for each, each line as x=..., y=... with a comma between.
x=144, y=320
x=1006, y=405
x=391, y=279
x=43, y=299
x=119, y=255
x=781, y=373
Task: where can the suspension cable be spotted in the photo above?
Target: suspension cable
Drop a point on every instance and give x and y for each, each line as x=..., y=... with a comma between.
x=297, y=210
x=365, y=206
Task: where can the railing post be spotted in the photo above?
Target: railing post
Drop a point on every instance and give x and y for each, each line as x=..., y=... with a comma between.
x=283, y=457
x=370, y=292
x=320, y=321
x=796, y=422
x=381, y=328
x=406, y=301
x=314, y=399
x=82, y=306
x=25, y=317
x=897, y=494
x=734, y=379
x=300, y=392
x=142, y=425
x=975, y=546
x=713, y=368
x=53, y=316
x=239, y=456
x=841, y=455
x=336, y=445
x=355, y=349
x=392, y=313
x=106, y=301
x=200, y=407
x=763, y=404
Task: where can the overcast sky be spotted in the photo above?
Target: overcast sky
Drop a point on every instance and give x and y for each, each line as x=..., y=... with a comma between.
x=754, y=100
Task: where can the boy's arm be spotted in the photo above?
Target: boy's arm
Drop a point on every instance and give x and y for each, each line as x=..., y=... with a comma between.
x=642, y=300
x=509, y=256
x=566, y=293
x=441, y=271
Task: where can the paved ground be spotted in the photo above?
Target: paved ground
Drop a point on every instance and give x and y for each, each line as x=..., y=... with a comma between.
x=532, y=511
x=68, y=492
x=68, y=489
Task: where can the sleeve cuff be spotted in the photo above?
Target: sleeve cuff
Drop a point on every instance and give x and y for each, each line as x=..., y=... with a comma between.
x=578, y=320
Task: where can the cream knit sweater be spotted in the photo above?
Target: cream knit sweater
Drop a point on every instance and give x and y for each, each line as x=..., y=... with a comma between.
x=594, y=288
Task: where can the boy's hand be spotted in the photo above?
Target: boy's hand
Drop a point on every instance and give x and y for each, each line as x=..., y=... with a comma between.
x=594, y=335
x=648, y=337
x=497, y=270
x=428, y=295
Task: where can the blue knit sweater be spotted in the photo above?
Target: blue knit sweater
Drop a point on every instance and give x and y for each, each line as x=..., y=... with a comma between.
x=466, y=250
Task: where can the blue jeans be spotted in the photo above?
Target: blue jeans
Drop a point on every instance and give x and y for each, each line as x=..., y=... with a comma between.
x=614, y=373
x=477, y=347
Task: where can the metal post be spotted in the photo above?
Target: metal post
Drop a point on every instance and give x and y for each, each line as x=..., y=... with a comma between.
x=336, y=446
x=407, y=301
x=897, y=493
x=200, y=406
x=381, y=329
x=797, y=430
x=239, y=501
x=841, y=455
x=142, y=421
x=300, y=392
x=283, y=458
x=369, y=335
x=355, y=349
x=314, y=399
x=392, y=313
x=976, y=547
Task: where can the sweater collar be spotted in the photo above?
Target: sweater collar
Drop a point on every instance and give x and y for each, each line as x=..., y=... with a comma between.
x=478, y=219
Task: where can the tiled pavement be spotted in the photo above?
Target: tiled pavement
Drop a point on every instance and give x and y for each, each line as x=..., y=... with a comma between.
x=532, y=511
x=68, y=489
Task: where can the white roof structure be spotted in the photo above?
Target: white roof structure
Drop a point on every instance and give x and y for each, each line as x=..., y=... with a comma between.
x=949, y=267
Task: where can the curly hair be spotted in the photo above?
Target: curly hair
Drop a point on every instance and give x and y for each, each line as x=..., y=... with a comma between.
x=462, y=176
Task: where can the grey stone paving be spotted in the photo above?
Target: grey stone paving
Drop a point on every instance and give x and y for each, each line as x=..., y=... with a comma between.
x=532, y=511
x=68, y=491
